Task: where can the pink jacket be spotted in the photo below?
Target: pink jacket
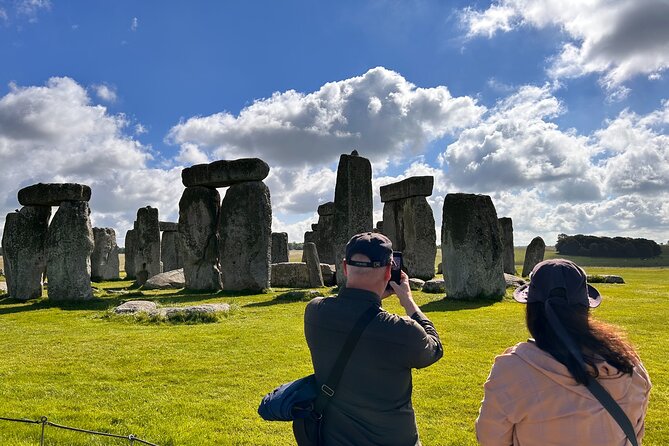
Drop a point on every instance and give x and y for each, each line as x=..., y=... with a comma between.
x=532, y=399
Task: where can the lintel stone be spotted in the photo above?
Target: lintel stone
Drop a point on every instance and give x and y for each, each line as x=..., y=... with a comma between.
x=53, y=194
x=168, y=226
x=225, y=173
x=411, y=187
x=326, y=208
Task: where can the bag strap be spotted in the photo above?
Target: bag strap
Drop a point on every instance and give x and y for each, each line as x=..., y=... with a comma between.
x=599, y=392
x=614, y=409
x=327, y=389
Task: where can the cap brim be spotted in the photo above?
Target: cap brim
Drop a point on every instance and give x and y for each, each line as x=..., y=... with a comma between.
x=520, y=293
x=594, y=298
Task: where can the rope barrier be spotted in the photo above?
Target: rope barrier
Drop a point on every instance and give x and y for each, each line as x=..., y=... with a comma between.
x=44, y=422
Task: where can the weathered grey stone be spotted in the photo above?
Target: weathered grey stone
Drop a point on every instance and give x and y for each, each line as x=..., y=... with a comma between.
x=471, y=247
x=290, y=275
x=199, y=210
x=309, y=237
x=53, y=194
x=326, y=208
x=24, y=251
x=279, y=247
x=416, y=284
x=409, y=224
x=513, y=281
x=170, y=251
x=313, y=265
x=245, y=231
x=605, y=279
x=69, y=244
x=143, y=306
x=533, y=254
x=440, y=269
x=434, y=286
x=506, y=232
x=135, y=306
x=411, y=187
x=324, y=241
x=353, y=205
x=225, y=173
x=169, y=312
x=168, y=280
x=168, y=226
x=379, y=226
x=104, y=259
x=147, y=237
x=130, y=248
x=299, y=295
x=329, y=274
x=314, y=227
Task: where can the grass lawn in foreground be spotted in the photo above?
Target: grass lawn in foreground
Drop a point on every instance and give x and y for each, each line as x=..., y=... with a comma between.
x=201, y=384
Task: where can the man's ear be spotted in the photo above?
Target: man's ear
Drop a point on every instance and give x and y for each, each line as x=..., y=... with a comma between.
x=388, y=272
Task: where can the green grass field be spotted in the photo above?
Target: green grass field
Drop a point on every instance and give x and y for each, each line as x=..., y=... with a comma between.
x=201, y=384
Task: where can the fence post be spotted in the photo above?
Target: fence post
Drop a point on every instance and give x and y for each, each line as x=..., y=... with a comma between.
x=42, y=420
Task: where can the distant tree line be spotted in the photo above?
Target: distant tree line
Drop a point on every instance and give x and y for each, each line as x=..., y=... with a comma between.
x=295, y=246
x=593, y=246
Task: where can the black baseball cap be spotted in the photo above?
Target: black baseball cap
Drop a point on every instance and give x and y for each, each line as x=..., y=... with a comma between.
x=559, y=278
x=377, y=247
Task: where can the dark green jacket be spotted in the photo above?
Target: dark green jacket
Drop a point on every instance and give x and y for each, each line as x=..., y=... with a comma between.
x=372, y=404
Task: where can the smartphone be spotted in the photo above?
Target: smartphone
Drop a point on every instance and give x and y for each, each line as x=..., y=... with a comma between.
x=396, y=268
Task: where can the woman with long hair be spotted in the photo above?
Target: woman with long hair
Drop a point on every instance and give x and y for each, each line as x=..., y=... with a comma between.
x=576, y=382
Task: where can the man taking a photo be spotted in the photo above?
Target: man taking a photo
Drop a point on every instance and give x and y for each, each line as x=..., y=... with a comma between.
x=372, y=403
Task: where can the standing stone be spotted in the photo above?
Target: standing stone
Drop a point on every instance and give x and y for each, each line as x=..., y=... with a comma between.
x=24, y=251
x=69, y=245
x=130, y=248
x=324, y=236
x=313, y=265
x=471, y=246
x=309, y=237
x=409, y=223
x=379, y=226
x=199, y=210
x=506, y=231
x=353, y=205
x=104, y=259
x=245, y=230
x=170, y=250
x=533, y=254
x=147, y=253
x=279, y=247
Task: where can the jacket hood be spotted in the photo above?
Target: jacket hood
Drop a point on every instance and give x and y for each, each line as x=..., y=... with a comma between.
x=616, y=382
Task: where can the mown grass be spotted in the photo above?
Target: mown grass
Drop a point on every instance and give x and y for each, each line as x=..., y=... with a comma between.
x=178, y=384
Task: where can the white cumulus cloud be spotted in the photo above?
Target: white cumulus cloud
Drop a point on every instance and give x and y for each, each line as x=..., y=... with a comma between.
x=380, y=113
x=105, y=92
x=617, y=39
x=53, y=133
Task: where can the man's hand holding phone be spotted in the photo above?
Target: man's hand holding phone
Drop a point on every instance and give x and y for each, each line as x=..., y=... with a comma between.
x=403, y=292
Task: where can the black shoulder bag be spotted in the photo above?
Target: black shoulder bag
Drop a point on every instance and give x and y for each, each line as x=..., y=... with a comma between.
x=307, y=430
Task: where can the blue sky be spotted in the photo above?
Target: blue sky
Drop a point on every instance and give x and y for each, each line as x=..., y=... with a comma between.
x=556, y=109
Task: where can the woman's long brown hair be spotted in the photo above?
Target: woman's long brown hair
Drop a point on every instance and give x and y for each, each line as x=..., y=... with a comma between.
x=597, y=340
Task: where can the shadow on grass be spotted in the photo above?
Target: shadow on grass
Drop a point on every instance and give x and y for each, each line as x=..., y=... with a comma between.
x=41, y=304
x=446, y=304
